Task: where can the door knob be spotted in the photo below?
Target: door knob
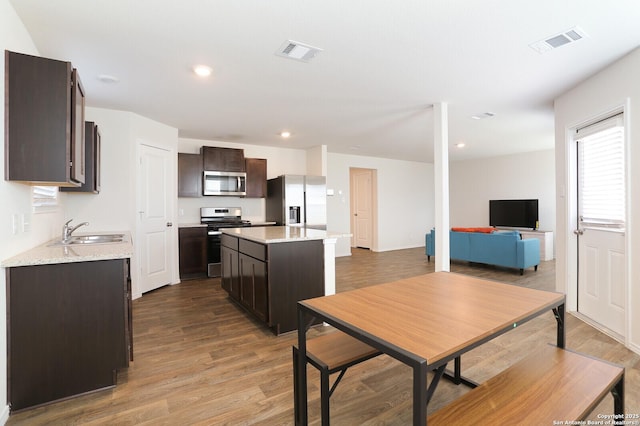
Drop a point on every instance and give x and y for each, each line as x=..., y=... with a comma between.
x=578, y=231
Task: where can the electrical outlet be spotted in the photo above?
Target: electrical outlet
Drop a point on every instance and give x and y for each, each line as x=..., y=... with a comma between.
x=14, y=224
x=24, y=223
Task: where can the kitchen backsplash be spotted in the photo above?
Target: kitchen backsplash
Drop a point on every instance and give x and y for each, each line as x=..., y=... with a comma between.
x=253, y=209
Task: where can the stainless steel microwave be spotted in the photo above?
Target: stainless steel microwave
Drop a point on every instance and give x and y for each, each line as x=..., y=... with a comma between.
x=225, y=183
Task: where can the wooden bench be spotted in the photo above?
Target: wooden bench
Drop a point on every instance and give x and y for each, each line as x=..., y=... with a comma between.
x=553, y=384
x=331, y=353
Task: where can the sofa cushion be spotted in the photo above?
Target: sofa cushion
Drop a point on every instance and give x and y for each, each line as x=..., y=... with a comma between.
x=494, y=249
x=459, y=245
x=483, y=230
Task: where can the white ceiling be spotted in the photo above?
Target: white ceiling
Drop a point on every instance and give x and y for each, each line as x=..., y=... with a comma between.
x=369, y=92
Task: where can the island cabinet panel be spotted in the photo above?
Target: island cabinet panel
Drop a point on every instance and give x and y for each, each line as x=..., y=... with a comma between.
x=269, y=279
x=192, y=244
x=230, y=279
x=68, y=329
x=253, y=286
x=296, y=272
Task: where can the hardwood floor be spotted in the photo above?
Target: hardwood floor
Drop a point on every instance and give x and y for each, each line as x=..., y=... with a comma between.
x=199, y=359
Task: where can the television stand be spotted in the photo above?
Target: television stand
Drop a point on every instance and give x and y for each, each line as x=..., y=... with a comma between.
x=546, y=242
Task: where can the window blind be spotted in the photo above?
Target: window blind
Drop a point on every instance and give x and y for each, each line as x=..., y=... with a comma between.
x=601, y=176
x=44, y=198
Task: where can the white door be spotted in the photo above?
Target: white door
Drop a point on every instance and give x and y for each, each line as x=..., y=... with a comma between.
x=154, y=226
x=602, y=280
x=362, y=189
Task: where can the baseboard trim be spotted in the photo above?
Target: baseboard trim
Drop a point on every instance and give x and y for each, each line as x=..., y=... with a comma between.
x=634, y=348
x=4, y=416
x=615, y=336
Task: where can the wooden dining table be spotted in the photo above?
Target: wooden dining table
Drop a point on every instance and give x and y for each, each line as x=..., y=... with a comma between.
x=426, y=322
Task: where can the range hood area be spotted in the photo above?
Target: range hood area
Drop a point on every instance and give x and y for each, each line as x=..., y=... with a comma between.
x=219, y=171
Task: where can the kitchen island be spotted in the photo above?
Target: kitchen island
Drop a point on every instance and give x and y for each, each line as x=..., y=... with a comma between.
x=267, y=270
x=68, y=320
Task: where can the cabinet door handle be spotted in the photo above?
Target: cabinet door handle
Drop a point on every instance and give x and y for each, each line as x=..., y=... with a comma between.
x=169, y=224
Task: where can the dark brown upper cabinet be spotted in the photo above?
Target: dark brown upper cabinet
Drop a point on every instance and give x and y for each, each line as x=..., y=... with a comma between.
x=256, y=177
x=78, y=157
x=223, y=159
x=44, y=121
x=92, y=161
x=189, y=175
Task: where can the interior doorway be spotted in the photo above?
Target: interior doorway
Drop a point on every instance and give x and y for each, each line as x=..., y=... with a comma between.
x=363, y=202
x=154, y=217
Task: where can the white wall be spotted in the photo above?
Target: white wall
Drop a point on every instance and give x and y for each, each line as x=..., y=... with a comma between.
x=474, y=182
x=615, y=86
x=405, y=197
x=110, y=210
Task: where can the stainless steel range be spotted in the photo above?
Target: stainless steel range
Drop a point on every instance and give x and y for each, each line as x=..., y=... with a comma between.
x=217, y=218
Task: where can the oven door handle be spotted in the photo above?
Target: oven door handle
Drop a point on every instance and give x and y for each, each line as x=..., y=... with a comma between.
x=214, y=233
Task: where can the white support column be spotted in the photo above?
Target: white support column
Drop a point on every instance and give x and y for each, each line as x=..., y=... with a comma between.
x=441, y=169
x=329, y=266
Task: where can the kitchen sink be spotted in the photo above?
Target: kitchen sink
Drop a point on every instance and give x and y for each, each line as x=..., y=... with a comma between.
x=92, y=239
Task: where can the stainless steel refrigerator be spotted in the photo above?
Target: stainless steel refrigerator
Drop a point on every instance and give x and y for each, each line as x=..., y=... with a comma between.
x=297, y=200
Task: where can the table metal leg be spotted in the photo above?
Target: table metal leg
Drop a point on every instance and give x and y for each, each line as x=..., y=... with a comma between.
x=618, y=399
x=437, y=375
x=301, y=401
x=296, y=390
x=420, y=394
x=559, y=314
x=457, y=377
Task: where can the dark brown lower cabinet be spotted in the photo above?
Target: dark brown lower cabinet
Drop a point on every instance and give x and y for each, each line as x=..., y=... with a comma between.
x=192, y=244
x=269, y=279
x=253, y=286
x=230, y=279
x=68, y=329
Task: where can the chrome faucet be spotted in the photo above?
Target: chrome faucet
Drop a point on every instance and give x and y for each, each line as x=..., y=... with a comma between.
x=68, y=230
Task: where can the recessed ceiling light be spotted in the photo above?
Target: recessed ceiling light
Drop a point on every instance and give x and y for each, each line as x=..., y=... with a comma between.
x=202, y=70
x=460, y=145
x=285, y=134
x=483, y=115
x=106, y=78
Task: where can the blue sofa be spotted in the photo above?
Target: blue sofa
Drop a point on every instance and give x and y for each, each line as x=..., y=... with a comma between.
x=501, y=248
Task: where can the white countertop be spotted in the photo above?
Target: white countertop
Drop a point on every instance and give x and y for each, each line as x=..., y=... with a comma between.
x=47, y=254
x=262, y=223
x=281, y=234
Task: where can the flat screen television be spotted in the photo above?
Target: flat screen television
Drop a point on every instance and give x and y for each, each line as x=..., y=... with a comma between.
x=514, y=213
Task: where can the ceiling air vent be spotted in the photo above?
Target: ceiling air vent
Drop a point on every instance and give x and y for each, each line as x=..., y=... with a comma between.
x=572, y=35
x=298, y=51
